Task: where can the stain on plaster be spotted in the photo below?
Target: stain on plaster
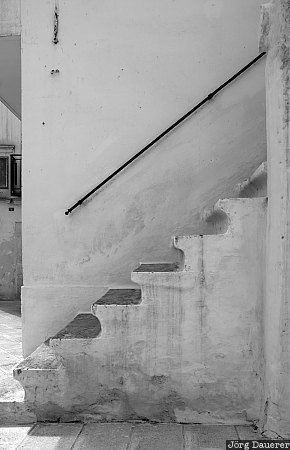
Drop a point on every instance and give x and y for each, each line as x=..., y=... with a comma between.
x=264, y=27
x=7, y=269
x=56, y=24
x=112, y=236
x=213, y=9
x=134, y=220
x=110, y=405
x=158, y=380
x=285, y=60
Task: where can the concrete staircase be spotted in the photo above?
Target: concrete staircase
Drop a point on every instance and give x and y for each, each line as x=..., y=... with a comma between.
x=185, y=346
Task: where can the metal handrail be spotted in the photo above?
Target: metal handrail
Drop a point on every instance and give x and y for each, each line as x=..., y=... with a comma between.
x=164, y=133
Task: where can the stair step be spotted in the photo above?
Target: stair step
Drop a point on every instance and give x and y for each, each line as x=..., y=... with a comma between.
x=43, y=358
x=215, y=215
x=255, y=185
x=43, y=377
x=120, y=297
x=83, y=326
x=157, y=267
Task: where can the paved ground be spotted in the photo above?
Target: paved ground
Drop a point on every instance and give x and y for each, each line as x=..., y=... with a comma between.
x=10, y=350
x=124, y=436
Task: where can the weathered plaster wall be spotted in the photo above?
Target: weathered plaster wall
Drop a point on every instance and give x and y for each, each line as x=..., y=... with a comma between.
x=10, y=221
x=10, y=251
x=10, y=17
x=127, y=71
x=275, y=39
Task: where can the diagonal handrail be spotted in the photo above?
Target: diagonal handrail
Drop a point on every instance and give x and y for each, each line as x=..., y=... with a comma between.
x=10, y=108
x=164, y=133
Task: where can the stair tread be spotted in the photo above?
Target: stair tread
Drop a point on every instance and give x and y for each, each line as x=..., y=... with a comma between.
x=255, y=183
x=261, y=171
x=83, y=326
x=157, y=267
x=120, y=297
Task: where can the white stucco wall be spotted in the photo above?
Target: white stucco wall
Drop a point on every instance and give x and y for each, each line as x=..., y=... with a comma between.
x=127, y=71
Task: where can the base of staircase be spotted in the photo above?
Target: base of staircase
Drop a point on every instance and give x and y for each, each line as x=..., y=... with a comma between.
x=13, y=409
x=15, y=413
x=20, y=413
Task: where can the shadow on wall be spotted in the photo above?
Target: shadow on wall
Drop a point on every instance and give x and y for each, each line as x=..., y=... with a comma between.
x=10, y=75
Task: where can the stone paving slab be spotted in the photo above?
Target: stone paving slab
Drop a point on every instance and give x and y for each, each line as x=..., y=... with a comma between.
x=11, y=437
x=11, y=307
x=10, y=389
x=153, y=437
x=104, y=436
x=210, y=436
x=11, y=341
x=247, y=433
x=7, y=335
x=16, y=350
x=7, y=358
x=14, y=333
x=190, y=439
x=121, y=436
x=10, y=354
x=51, y=437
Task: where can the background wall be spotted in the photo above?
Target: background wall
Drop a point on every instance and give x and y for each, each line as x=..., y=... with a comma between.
x=10, y=17
x=126, y=72
x=10, y=134
x=10, y=129
x=10, y=249
x=10, y=76
x=10, y=217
